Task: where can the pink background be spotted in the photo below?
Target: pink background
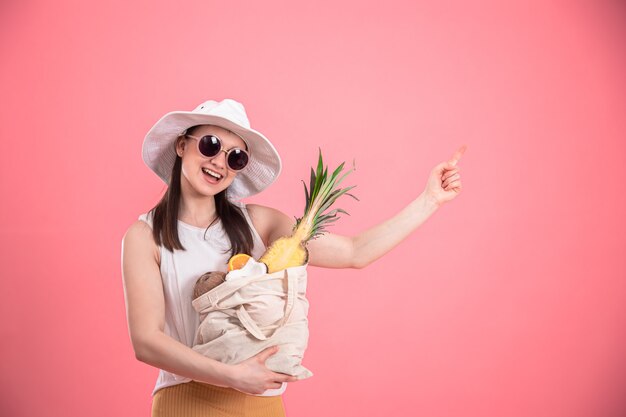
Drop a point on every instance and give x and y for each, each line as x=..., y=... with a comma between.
x=509, y=301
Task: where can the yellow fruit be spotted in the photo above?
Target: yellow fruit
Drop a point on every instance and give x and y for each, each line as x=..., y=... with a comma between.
x=284, y=253
x=238, y=261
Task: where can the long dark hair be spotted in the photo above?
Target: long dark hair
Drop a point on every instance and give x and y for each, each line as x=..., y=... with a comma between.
x=165, y=217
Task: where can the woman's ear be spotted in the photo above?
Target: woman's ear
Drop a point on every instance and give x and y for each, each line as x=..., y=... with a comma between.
x=180, y=146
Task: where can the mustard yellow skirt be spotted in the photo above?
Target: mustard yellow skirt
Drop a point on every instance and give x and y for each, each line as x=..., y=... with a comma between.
x=196, y=399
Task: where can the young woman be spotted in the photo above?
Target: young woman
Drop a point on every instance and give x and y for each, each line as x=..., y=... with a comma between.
x=211, y=159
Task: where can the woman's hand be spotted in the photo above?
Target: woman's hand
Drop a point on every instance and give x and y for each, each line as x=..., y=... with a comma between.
x=253, y=377
x=444, y=182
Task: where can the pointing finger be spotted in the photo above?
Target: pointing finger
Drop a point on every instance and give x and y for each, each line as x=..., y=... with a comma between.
x=457, y=155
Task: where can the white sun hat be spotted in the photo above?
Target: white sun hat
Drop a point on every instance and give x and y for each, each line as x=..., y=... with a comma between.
x=159, y=151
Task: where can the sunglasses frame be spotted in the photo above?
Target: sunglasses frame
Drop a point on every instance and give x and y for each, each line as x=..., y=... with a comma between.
x=227, y=152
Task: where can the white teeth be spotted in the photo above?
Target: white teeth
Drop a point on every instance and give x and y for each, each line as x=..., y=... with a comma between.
x=212, y=173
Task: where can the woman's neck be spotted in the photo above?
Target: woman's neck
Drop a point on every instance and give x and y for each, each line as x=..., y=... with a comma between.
x=197, y=210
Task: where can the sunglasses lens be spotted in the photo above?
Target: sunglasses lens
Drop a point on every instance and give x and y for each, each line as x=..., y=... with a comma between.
x=209, y=145
x=237, y=159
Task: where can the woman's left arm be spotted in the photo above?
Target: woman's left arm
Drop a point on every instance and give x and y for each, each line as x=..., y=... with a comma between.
x=336, y=251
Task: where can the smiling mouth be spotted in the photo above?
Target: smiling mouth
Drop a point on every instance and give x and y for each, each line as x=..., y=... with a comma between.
x=212, y=174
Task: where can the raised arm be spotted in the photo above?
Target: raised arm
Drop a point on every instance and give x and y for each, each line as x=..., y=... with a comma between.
x=336, y=251
x=145, y=310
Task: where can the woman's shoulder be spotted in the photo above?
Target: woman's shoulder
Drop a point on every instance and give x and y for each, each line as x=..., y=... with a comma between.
x=269, y=221
x=146, y=218
x=263, y=213
x=139, y=235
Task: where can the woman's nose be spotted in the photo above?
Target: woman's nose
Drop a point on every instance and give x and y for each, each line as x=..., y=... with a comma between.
x=220, y=158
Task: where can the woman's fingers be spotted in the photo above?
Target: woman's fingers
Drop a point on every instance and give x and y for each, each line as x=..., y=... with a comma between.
x=453, y=185
x=266, y=353
x=448, y=174
x=278, y=377
x=449, y=180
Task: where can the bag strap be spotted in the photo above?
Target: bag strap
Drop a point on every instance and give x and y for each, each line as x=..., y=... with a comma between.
x=253, y=328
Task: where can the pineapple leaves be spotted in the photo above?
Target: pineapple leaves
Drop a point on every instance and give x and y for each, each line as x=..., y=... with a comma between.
x=320, y=163
x=321, y=194
x=306, y=193
x=312, y=185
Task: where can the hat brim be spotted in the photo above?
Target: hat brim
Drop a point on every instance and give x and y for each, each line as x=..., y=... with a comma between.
x=159, y=153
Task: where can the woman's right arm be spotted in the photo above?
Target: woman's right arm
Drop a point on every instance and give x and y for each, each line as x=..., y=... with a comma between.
x=145, y=312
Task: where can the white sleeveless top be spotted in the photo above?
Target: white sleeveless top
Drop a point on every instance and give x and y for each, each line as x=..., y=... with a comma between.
x=180, y=271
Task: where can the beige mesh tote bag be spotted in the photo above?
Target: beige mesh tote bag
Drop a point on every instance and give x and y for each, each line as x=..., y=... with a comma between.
x=241, y=317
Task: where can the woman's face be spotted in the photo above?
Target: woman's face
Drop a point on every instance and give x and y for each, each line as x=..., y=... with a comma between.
x=195, y=164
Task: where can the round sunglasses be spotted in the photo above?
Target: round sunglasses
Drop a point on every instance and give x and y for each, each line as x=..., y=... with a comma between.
x=210, y=146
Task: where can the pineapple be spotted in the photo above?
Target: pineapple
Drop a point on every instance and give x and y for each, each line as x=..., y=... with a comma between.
x=291, y=251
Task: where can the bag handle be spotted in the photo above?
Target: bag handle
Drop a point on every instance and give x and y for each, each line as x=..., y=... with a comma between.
x=250, y=324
